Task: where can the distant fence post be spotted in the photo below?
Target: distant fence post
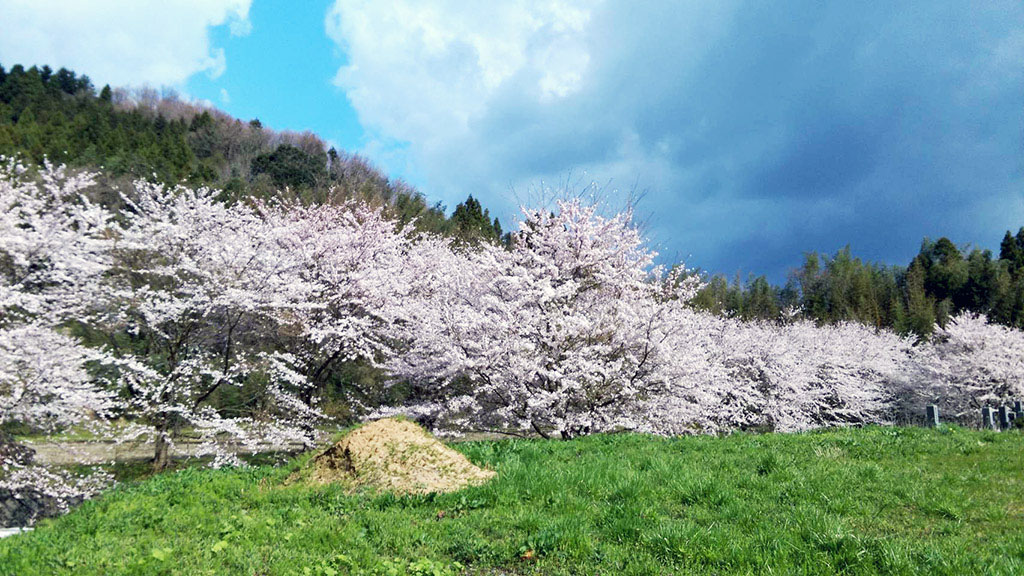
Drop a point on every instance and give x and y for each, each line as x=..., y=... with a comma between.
x=1018, y=409
x=988, y=418
x=932, y=415
x=1004, y=417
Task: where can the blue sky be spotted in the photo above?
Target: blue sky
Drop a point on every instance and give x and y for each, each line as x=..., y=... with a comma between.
x=756, y=131
x=281, y=72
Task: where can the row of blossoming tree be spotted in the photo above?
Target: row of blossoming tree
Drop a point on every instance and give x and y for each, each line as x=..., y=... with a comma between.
x=148, y=314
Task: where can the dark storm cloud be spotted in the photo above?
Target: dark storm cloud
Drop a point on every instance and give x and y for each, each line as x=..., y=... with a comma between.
x=764, y=130
x=830, y=124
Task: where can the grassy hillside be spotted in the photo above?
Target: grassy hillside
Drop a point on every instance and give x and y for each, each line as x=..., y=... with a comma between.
x=877, y=500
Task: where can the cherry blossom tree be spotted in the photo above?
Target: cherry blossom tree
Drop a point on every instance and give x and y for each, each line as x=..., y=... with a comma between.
x=571, y=331
x=44, y=383
x=53, y=251
x=783, y=377
x=197, y=284
x=44, y=380
x=53, y=243
x=562, y=333
x=221, y=320
x=352, y=260
x=968, y=364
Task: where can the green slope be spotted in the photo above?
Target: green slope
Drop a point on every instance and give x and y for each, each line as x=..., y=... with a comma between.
x=870, y=501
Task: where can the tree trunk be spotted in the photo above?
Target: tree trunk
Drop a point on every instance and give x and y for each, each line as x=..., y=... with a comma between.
x=162, y=451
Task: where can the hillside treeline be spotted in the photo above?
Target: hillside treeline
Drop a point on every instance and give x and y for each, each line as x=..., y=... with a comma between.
x=146, y=133
x=59, y=116
x=940, y=282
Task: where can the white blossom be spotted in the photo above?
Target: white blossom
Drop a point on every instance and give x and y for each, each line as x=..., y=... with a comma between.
x=563, y=333
x=54, y=248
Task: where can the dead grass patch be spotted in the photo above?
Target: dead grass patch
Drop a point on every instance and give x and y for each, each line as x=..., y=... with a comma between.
x=394, y=456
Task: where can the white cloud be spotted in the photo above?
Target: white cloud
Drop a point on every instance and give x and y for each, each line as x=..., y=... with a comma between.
x=120, y=42
x=475, y=96
x=424, y=73
x=224, y=96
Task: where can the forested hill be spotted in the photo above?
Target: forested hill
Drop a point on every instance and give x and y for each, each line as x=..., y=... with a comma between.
x=144, y=133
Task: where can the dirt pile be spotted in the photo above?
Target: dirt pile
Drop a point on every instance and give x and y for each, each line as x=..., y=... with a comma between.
x=396, y=456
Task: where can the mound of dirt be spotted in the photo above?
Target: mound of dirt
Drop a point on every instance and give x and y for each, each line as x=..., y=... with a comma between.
x=396, y=456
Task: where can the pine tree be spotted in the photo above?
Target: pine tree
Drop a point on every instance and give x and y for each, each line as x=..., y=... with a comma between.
x=1018, y=255
x=920, y=309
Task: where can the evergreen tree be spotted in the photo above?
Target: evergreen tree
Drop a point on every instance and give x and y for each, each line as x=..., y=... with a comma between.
x=471, y=223
x=761, y=300
x=979, y=290
x=290, y=166
x=920, y=309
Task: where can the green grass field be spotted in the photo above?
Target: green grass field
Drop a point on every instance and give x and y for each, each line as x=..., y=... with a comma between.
x=868, y=501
